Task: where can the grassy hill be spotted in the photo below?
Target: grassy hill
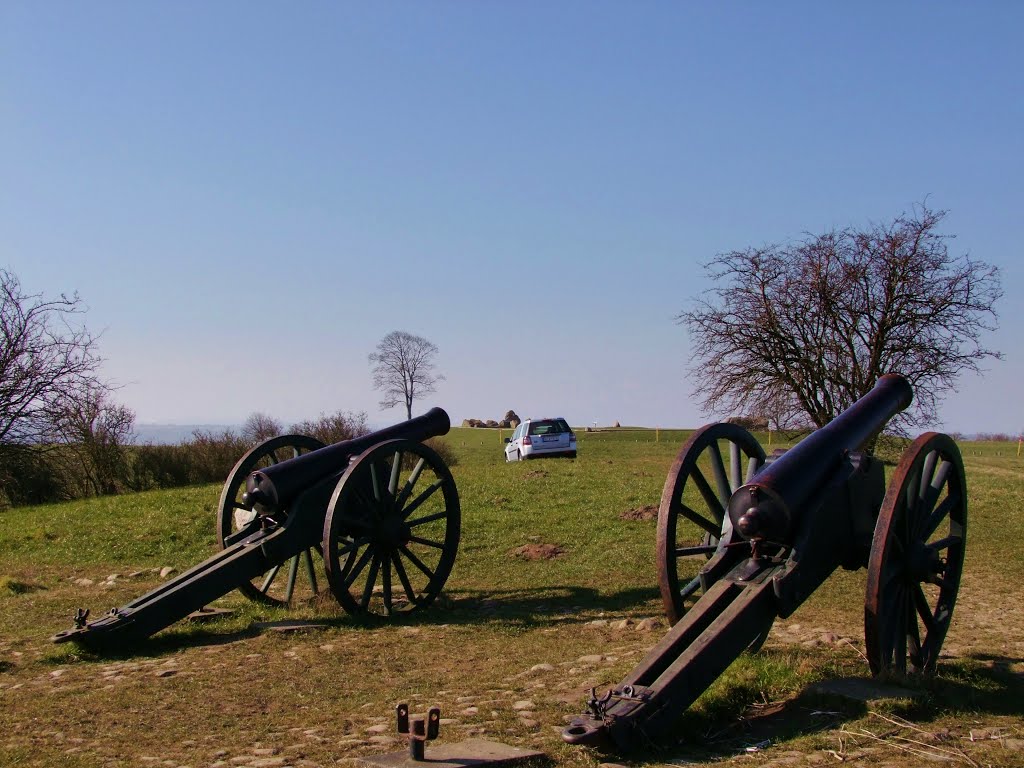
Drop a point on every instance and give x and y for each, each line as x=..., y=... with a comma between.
x=512, y=649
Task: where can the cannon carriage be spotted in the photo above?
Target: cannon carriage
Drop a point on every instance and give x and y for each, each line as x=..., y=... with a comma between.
x=374, y=521
x=771, y=530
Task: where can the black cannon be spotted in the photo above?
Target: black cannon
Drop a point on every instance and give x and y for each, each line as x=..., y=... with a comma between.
x=773, y=530
x=382, y=512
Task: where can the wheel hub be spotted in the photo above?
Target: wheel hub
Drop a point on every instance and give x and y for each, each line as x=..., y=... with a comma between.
x=390, y=530
x=922, y=563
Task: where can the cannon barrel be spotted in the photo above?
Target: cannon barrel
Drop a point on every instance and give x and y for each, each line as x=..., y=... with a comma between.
x=767, y=508
x=276, y=486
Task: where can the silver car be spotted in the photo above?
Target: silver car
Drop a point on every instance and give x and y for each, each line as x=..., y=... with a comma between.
x=541, y=437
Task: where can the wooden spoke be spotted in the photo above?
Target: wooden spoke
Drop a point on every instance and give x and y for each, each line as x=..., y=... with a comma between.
x=396, y=468
x=269, y=578
x=718, y=470
x=427, y=542
x=714, y=504
x=711, y=526
x=428, y=519
x=708, y=549
x=353, y=573
x=410, y=593
x=410, y=482
x=431, y=489
x=417, y=562
x=735, y=468
x=371, y=580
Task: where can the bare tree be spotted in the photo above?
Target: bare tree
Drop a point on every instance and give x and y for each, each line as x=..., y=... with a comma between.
x=46, y=359
x=96, y=431
x=403, y=369
x=260, y=427
x=799, y=331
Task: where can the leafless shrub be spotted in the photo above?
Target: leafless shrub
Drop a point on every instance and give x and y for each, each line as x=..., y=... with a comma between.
x=334, y=427
x=260, y=427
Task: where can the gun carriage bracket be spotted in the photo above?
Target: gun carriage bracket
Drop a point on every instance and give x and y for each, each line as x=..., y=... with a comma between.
x=773, y=530
x=375, y=519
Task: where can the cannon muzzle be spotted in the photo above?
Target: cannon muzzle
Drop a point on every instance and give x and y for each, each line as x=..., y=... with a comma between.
x=275, y=487
x=766, y=508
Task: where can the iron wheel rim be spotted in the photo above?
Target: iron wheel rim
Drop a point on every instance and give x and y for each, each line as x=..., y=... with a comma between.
x=911, y=586
x=390, y=544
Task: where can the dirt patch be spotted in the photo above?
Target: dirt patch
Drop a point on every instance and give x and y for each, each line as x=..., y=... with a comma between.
x=535, y=473
x=646, y=512
x=538, y=551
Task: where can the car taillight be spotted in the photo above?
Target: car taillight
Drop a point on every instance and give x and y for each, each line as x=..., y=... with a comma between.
x=527, y=441
x=572, y=437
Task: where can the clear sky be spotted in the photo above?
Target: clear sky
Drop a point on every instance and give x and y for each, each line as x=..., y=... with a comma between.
x=249, y=195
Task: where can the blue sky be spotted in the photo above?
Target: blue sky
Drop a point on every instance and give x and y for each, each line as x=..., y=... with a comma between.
x=249, y=196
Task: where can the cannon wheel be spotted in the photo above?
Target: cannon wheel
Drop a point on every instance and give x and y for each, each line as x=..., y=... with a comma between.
x=278, y=585
x=392, y=529
x=701, y=504
x=917, y=555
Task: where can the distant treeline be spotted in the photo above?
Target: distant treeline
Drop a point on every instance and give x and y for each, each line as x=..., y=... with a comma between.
x=40, y=474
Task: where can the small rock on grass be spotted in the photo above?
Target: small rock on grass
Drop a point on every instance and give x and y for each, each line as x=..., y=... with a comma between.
x=266, y=762
x=649, y=625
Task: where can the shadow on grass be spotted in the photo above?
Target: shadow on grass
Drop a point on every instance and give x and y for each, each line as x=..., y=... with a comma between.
x=541, y=606
x=729, y=724
x=978, y=683
x=523, y=608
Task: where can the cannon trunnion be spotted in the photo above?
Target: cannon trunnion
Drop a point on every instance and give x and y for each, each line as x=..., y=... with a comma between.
x=773, y=530
x=376, y=520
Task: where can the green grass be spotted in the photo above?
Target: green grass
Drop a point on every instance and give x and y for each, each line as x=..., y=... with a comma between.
x=502, y=616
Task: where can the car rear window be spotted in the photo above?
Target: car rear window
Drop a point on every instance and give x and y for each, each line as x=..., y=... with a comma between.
x=549, y=427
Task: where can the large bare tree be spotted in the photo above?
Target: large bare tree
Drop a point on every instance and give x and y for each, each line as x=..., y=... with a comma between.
x=403, y=369
x=47, y=358
x=51, y=395
x=797, y=332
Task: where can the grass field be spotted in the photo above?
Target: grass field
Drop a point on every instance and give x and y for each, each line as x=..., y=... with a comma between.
x=509, y=653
